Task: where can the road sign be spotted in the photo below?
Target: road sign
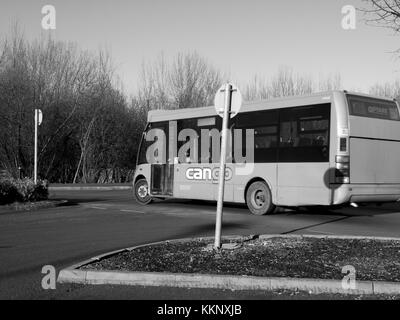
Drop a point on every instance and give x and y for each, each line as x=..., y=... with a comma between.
x=236, y=100
x=38, y=116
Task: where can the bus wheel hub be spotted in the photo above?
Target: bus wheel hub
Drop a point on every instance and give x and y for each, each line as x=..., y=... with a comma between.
x=259, y=198
x=142, y=191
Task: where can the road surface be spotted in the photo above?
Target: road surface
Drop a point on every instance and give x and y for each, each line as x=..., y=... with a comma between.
x=95, y=222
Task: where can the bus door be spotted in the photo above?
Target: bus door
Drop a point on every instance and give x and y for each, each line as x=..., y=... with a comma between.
x=303, y=156
x=162, y=171
x=192, y=177
x=162, y=179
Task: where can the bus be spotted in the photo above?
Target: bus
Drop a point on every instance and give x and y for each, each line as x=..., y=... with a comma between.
x=325, y=149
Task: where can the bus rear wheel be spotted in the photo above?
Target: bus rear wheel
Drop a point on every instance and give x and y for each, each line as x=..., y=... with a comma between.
x=259, y=199
x=141, y=192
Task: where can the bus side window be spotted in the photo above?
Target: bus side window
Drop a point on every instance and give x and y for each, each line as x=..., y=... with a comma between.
x=265, y=125
x=288, y=136
x=315, y=130
x=208, y=124
x=304, y=134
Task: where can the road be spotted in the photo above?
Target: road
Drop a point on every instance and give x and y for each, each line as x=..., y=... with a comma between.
x=95, y=222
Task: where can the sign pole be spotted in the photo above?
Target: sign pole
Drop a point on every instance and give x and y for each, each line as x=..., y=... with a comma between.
x=222, y=165
x=35, y=155
x=38, y=122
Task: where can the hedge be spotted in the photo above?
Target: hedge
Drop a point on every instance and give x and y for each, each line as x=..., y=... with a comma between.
x=22, y=190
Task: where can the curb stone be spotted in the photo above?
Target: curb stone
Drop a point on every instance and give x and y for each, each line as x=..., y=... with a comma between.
x=33, y=206
x=73, y=274
x=217, y=282
x=88, y=188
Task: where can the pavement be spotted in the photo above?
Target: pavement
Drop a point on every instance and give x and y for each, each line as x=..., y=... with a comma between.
x=98, y=221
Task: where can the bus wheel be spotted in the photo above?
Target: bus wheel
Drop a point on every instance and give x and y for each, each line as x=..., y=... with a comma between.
x=141, y=192
x=259, y=199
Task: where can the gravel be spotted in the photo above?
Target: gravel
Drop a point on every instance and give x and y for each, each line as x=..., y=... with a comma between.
x=275, y=257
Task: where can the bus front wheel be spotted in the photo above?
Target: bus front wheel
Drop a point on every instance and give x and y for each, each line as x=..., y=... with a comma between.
x=141, y=192
x=259, y=199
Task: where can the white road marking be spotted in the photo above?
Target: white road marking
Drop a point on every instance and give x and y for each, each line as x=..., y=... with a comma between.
x=133, y=211
x=98, y=208
x=187, y=213
x=321, y=232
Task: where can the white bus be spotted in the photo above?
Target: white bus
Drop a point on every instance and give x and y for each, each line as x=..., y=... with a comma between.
x=324, y=149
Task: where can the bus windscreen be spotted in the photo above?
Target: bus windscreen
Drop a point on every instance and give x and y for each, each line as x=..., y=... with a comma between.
x=373, y=108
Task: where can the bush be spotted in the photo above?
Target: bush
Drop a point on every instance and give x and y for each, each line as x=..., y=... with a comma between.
x=22, y=190
x=41, y=191
x=8, y=191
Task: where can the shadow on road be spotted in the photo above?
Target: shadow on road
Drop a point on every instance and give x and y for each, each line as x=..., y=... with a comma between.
x=315, y=225
x=79, y=197
x=348, y=211
x=345, y=211
x=204, y=230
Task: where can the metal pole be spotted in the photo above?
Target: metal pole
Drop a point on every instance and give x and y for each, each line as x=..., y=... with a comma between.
x=35, y=156
x=222, y=165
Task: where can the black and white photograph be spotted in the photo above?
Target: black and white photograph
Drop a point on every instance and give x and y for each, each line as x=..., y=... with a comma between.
x=196, y=156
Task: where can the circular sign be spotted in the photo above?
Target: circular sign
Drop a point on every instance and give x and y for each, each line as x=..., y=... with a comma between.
x=236, y=100
x=38, y=116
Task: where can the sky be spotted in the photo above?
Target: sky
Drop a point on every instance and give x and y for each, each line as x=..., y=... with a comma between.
x=242, y=38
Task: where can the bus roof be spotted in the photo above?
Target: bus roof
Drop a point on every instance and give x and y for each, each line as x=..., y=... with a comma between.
x=285, y=102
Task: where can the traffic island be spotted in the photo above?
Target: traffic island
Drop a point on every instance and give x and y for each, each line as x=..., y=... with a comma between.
x=345, y=265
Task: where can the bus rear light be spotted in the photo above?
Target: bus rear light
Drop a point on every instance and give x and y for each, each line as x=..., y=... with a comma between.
x=342, y=159
x=342, y=180
x=342, y=166
x=342, y=170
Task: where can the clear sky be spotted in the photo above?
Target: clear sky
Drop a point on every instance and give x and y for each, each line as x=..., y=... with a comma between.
x=240, y=37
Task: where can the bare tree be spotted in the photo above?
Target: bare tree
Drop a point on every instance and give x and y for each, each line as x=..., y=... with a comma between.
x=193, y=81
x=95, y=108
x=330, y=82
x=288, y=83
x=385, y=13
x=386, y=90
x=13, y=86
x=186, y=82
x=76, y=91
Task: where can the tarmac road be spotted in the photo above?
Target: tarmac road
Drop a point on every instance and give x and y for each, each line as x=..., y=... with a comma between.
x=98, y=221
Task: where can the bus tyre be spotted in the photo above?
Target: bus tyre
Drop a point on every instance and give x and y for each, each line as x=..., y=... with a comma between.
x=141, y=192
x=259, y=199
